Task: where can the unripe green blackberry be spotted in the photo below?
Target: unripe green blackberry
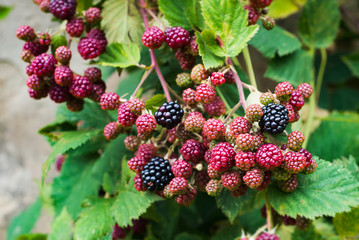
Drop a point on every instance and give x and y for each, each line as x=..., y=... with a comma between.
x=245, y=142
x=254, y=112
x=194, y=122
x=184, y=80
x=167, y=193
x=280, y=174
x=26, y=56
x=230, y=137
x=214, y=187
x=253, y=178
x=295, y=140
x=289, y=185
x=266, y=98
x=198, y=74
x=259, y=140
x=268, y=23
x=132, y=143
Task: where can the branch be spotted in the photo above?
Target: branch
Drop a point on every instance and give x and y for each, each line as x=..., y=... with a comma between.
x=239, y=83
x=144, y=77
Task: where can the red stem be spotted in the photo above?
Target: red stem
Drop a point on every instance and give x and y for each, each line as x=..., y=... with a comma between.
x=239, y=85
x=153, y=56
x=147, y=73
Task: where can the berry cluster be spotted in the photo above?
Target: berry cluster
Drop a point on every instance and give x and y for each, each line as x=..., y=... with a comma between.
x=50, y=74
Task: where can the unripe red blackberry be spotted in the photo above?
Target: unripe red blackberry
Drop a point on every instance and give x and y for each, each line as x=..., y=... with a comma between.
x=185, y=60
x=260, y=3
x=193, y=46
x=217, y=79
x=269, y=156
x=188, y=96
x=26, y=56
x=99, y=88
x=290, y=184
x=178, y=185
x=132, y=143
x=89, y=48
x=229, y=77
x=75, y=104
x=194, y=122
x=214, y=187
x=214, y=129
x=93, y=15
x=35, y=48
x=147, y=151
x=44, y=5
x=193, y=151
x=184, y=80
x=63, y=9
x=259, y=140
x=216, y=107
x=291, y=113
x=153, y=38
x=44, y=39
x=187, y=198
x=207, y=155
x=43, y=65
x=305, y=89
x=145, y=125
x=100, y=36
x=309, y=169
x=172, y=135
x=58, y=94
x=112, y=130
x=267, y=236
x=182, y=134
x=295, y=140
x=245, y=142
x=204, y=93
x=199, y=73
x=177, y=37
x=266, y=98
x=213, y=173
x=253, y=14
x=245, y=160
x=29, y=70
x=254, y=112
x=201, y=180
x=136, y=105
x=81, y=87
x=75, y=27
x=283, y=91
x=222, y=156
x=253, y=178
x=38, y=94
x=288, y=221
x=63, y=76
x=280, y=174
x=266, y=180
x=139, y=183
x=296, y=100
x=93, y=73
x=294, y=162
x=125, y=116
x=25, y=33
x=63, y=55
x=110, y=101
x=240, y=191
x=181, y=168
x=303, y=223
x=231, y=180
x=35, y=82
x=136, y=164
x=240, y=125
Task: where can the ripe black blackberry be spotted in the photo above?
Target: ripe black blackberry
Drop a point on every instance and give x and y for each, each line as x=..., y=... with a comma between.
x=169, y=115
x=156, y=174
x=275, y=118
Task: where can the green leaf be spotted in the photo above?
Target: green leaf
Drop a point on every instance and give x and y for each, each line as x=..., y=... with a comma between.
x=187, y=236
x=323, y=141
x=210, y=60
x=232, y=206
x=193, y=11
x=352, y=61
x=121, y=21
x=69, y=140
x=284, y=8
x=83, y=5
x=346, y=223
x=120, y=55
x=329, y=190
x=56, y=41
x=32, y=236
x=25, y=221
x=230, y=232
x=95, y=220
x=295, y=68
x=61, y=227
x=174, y=12
x=155, y=101
x=228, y=20
x=307, y=234
x=319, y=23
x=349, y=163
x=284, y=43
x=4, y=11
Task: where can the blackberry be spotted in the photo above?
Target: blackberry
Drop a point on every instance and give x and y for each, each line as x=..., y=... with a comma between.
x=290, y=184
x=181, y=168
x=254, y=112
x=147, y=151
x=280, y=174
x=169, y=115
x=182, y=134
x=245, y=142
x=267, y=236
x=187, y=198
x=63, y=76
x=302, y=222
x=184, y=80
x=59, y=94
x=240, y=191
x=125, y=116
x=193, y=151
x=194, y=122
x=38, y=94
x=156, y=174
x=289, y=221
x=214, y=129
x=188, y=96
x=109, y=101
x=63, y=9
x=205, y=93
x=295, y=140
x=294, y=162
x=136, y=105
x=132, y=143
x=29, y=70
x=245, y=160
x=291, y=113
x=260, y=3
x=268, y=23
x=178, y=185
x=266, y=98
x=44, y=39
x=193, y=46
x=305, y=89
x=75, y=27
x=198, y=74
x=63, y=55
x=136, y=164
x=266, y=180
x=172, y=135
x=229, y=77
x=283, y=91
x=99, y=88
x=89, y=48
x=207, y=155
x=185, y=60
x=217, y=79
x=177, y=37
x=213, y=173
x=240, y=125
x=26, y=56
x=214, y=187
x=93, y=73
x=25, y=33
x=309, y=169
x=75, y=104
x=112, y=130
x=81, y=87
x=93, y=15
x=269, y=156
x=139, y=183
x=296, y=100
x=253, y=178
x=100, y=36
x=43, y=65
x=145, y=125
x=44, y=5
x=222, y=156
x=153, y=38
x=275, y=118
x=231, y=180
x=216, y=107
x=253, y=14
x=35, y=48
x=201, y=180
x=35, y=82
x=259, y=140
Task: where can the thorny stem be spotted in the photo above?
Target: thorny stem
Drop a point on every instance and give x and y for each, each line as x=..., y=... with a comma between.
x=144, y=77
x=153, y=56
x=269, y=212
x=248, y=61
x=239, y=85
x=323, y=63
